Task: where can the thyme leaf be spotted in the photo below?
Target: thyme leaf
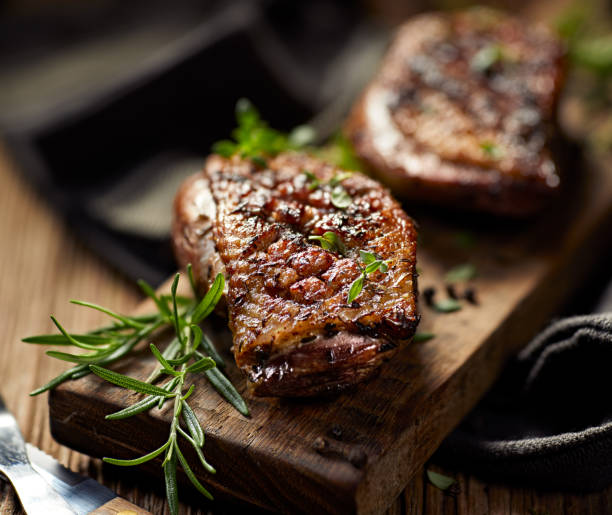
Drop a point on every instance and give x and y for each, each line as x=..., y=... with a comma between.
x=373, y=263
x=330, y=241
x=440, y=480
x=447, y=305
x=340, y=198
x=460, y=273
x=423, y=337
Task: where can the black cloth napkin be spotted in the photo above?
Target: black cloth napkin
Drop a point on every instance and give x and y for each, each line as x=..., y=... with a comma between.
x=547, y=423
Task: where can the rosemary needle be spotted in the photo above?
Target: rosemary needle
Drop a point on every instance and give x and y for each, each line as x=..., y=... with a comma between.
x=190, y=353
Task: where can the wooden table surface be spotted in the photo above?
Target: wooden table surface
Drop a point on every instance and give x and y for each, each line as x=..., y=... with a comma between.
x=43, y=266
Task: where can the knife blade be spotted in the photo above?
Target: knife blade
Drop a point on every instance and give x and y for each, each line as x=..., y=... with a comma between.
x=83, y=494
x=35, y=494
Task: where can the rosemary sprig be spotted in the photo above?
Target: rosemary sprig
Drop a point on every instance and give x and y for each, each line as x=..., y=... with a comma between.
x=188, y=354
x=373, y=263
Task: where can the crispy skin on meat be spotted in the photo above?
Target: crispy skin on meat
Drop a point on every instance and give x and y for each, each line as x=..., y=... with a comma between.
x=294, y=334
x=194, y=215
x=462, y=110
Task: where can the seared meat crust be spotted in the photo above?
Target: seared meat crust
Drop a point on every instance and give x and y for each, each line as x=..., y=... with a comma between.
x=294, y=333
x=462, y=110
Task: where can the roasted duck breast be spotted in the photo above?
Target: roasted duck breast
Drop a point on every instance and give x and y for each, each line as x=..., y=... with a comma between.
x=462, y=111
x=320, y=268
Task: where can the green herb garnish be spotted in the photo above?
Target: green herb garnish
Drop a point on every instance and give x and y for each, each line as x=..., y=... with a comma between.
x=486, y=57
x=423, y=337
x=341, y=153
x=253, y=139
x=330, y=241
x=594, y=54
x=338, y=178
x=460, y=273
x=439, y=480
x=447, y=305
x=313, y=181
x=373, y=263
x=340, y=198
x=491, y=149
x=189, y=353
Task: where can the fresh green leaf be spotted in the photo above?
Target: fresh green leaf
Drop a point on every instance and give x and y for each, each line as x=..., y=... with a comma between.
x=159, y=356
x=447, y=305
x=201, y=365
x=225, y=148
x=367, y=257
x=254, y=140
x=301, y=136
x=192, y=283
x=129, y=382
x=205, y=464
x=175, y=314
x=594, y=54
x=338, y=178
x=128, y=321
x=571, y=22
x=340, y=198
x=313, y=181
x=340, y=152
x=60, y=339
x=227, y=390
x=141, y=406
x=171, y=486
x=191, y=475
x=460, y=273
x=209, y=348
x=83, y=359
x=422, y=337
x=355, y=289
x=149, y=292
x=210, y=300
x=193, y=425
x=330, y=241
x=376, y=265
x=64, y=376
x=439, y=480
x=491, y=149
x=486, y=57
x=137, y=461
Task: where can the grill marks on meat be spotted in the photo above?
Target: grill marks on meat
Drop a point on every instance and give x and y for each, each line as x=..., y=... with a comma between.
x=462, y=112
x=294, y=334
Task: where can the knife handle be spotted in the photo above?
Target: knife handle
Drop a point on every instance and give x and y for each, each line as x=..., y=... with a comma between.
x=119, y=506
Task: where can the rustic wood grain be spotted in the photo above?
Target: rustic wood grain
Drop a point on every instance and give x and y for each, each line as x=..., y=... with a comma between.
x=119, y=506
x=287, y=457
x=43, y=266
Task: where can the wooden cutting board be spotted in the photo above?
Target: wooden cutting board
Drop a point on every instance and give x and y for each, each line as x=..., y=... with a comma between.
x=354, y=453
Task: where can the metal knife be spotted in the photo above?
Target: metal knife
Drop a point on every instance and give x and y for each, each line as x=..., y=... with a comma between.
x=35, y=494
x=44, y=486
x=83, y=494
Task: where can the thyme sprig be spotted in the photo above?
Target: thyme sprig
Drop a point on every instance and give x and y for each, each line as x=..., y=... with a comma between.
x=373, y=263
x=255, y=140
x=189, y=353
